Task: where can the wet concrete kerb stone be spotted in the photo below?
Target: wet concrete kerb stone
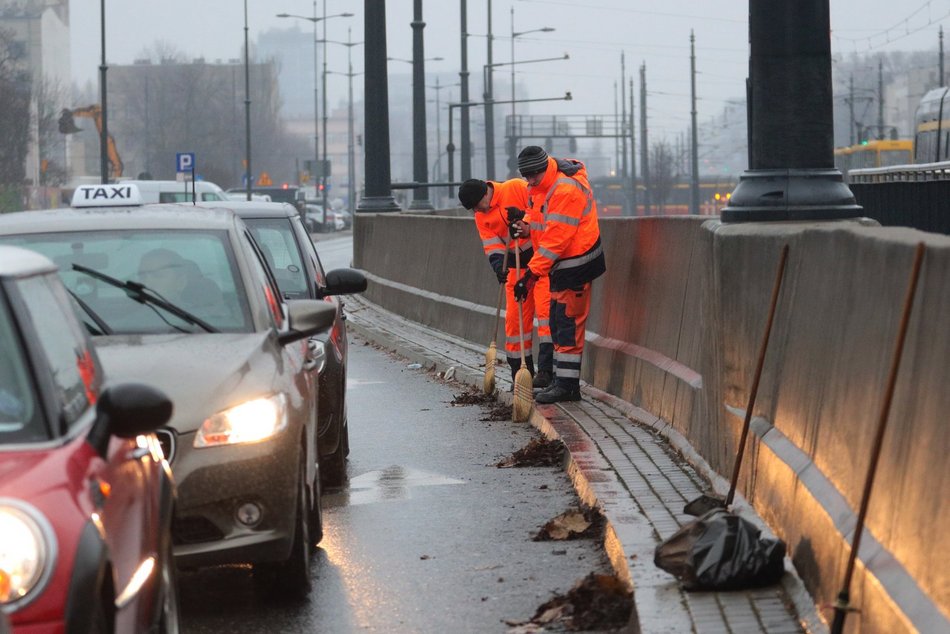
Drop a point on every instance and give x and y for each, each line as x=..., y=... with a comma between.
x=619, y=461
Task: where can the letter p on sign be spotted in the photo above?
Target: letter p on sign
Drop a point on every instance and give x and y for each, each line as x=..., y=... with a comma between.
x=184, y=162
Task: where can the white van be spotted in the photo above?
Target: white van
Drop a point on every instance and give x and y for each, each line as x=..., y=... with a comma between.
x=175, y=192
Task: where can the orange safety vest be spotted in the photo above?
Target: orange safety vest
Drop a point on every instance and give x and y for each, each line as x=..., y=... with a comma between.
x=493, y=224
x=564, y=219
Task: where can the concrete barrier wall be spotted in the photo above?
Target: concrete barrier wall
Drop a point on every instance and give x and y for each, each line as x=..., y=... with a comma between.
x=675, y=328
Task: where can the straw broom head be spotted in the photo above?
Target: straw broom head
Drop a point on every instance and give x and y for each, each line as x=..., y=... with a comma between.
x=524, y=396
x=488, y=382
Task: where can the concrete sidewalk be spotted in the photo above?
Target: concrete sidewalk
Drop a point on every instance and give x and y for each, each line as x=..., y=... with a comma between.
x=622, y=460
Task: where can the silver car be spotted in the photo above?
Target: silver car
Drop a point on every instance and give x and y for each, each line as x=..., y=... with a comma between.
x=182, y=298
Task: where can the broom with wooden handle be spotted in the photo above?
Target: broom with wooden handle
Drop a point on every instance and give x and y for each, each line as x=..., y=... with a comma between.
x=524, y=395
x=488, y=382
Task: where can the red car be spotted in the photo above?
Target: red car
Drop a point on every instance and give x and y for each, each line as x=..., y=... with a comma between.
x=86, y=496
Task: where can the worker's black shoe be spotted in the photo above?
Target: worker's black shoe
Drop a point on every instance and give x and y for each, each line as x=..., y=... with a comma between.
x=558, y=394
x=542, y=379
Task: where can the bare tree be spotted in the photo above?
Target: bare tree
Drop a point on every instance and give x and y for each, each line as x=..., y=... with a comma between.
x=14, y=123
x=662, y=166
x=157, y=110
x=50, y=99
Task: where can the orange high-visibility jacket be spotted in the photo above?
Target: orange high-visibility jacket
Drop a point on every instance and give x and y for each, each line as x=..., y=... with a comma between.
x=568, y=247
x=493, y=224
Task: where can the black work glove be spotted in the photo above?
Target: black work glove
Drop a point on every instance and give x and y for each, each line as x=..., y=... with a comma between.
x=515, y=216
x=524, y=285
x=498, y=266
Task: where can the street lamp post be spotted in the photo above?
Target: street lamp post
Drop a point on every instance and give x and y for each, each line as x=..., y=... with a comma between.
x=350, y=147
x=104, y=110
x=317, y=165
x=438, y=123
x=420, y=161
x=247, y=109
x=514, y=35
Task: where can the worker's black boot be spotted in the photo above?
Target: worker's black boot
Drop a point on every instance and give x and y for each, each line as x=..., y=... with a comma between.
x=559, y=392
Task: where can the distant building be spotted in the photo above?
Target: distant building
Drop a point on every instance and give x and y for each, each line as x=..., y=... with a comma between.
x=159, y=109
x=40, y=36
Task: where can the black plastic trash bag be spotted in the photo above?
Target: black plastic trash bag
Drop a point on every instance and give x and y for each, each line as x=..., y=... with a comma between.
x=721, y=551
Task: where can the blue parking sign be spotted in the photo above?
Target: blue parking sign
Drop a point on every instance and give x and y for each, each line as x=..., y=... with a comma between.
x=184, y=162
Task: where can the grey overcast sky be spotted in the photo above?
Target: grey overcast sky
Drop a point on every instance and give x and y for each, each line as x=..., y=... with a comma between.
x=592, y=32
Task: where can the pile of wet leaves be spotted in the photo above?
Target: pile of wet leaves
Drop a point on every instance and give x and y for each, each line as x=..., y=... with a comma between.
x=596, y=602
x=498, y=411
x=473, y=396
x=539, y=452
x=582, y=523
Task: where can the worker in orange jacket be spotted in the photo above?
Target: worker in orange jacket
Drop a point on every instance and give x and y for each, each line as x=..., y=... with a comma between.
x=496, y=206
x=568, y=252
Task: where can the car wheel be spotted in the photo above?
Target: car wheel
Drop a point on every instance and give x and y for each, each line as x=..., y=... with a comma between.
x=169, y=617
x=293, y=575
x=333, y=468
x=315, y=515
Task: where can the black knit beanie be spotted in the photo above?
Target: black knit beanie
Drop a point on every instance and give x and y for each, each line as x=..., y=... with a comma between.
x=532, y=160
x=472, y=191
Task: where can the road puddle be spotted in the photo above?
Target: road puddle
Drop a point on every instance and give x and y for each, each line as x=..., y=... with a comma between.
x=391, y=484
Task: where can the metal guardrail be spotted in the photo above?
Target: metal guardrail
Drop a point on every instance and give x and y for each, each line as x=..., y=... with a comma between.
x=923, y=172
x=915, y=196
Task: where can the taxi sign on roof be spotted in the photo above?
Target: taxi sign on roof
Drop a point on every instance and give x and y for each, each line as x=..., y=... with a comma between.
x=112, y=195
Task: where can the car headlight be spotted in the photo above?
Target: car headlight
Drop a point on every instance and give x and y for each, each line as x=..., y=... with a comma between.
x=27, y=551
x=251, y=421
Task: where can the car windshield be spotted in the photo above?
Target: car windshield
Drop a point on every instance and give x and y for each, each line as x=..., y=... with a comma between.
x=19, y=416
x=275, y=236
x=194, y=270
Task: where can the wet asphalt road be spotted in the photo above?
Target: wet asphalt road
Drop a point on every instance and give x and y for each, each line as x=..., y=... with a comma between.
x=428, y=535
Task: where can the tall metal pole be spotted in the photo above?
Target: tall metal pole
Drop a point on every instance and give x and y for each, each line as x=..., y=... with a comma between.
x=791, y=173
x=941, y=76
x=104, y=109
x=625, y=209
x=489, y=108
x=694, y=132
x=247, y=108
x=465, y=147
x=326, y=163
x=851, y=108
x=317, y=167
x=378, y=194
x=420, y=159
x=617, y=138
x=350, y=142
x=633, y=154
x=644, y=145
x=512, y=132
x=880, y=99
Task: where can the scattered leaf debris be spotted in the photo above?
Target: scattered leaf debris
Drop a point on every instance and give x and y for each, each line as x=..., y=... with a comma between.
x=537, y=453
x=498, y=411
x=573, y=524
x=596, y=602
x=473, y=396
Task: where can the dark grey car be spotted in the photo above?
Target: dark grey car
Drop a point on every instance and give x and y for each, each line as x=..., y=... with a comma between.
x=233, y=357
x=278, y=230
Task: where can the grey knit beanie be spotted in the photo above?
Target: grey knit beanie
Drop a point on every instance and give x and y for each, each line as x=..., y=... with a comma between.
x=532, y=160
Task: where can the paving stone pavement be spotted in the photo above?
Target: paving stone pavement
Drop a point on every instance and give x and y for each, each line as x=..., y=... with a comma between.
x=621, y=462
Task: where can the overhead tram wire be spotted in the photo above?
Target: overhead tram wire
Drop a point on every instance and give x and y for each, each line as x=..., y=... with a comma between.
x=641, y=11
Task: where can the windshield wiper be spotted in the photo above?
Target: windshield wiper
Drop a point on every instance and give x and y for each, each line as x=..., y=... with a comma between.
x=144, y=295
x=103, y=327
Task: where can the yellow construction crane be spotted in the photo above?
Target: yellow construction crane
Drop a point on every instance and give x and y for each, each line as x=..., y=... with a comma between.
x=67, y=125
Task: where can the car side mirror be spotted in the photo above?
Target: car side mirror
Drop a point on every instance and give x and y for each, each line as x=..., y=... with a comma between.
x=306, y=317
x=344, y=282
x=128, y=410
